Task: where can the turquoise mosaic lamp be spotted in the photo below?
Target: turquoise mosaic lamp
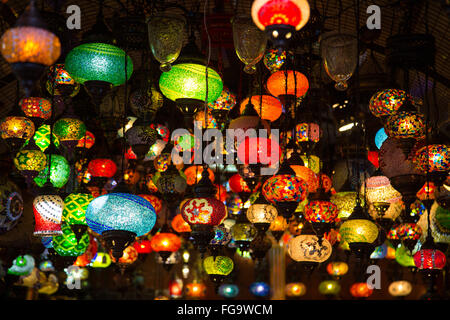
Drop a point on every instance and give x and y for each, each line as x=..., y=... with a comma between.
x=120, y=218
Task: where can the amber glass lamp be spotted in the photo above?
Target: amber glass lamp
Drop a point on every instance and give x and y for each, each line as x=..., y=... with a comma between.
x=165, y=243
x=29, y=47
x=15, y=131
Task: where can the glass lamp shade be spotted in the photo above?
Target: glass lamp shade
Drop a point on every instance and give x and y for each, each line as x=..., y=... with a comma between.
x=87, y=141
x=409, y=231
x=295, y=289
x=194, y=174
x=101, y=260
x=294, y=13
x=17, y=127
x=120, y=211
x=392, y=213
x=69, y=129
x=11, y=205
x=171, y=182
x=267, y=107
x=143, y=246
x=427, y=191
x=162, y=162
x=26, y=44
x=380, y=137
x=141, y=135
x=98, y=62
x=296, y=85
x=48, y=211
x=59, y=172
x=404, y=257
x=243, y=232
x=340, y=55
x=360, y=290
x=129, y=256
x=225, y=101
x=321, y=211
x=249, y=42
x=281, y=188
x=204, y=211
x=379, y=252
x=338, y=269
x=166, y=35
x=166, y=242
x=278, y=224
x=219, y=265
x=234, y=204
x=435, y=157
x=91, y=251
x=386, y=102
x=329, y=287
x=64, y=83
x=188, y=81
x=405, y=125
x=400, y=288
x=260, y=289
x=30, y=162
x=195, y=290
x=253, y=150
x=358, y=230
x=345, y=202
x=102, y=168
x=228, y=290
x=307, y=132
x=274, y=59
x=22, y=265
x=66, y=244
x=199, y=120
x=75, y=205
x=221, y=193
x=379, y=189
x=306, y=247
x=308, y=176
x=180, y=225
x=35, y=107
x=429, y=259
x=261, y=213
x=41, y=138
x=221, y=236
x=237, y=184
x=154, y=201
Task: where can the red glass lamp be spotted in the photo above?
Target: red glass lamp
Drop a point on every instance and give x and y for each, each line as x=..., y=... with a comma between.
x=101, y=170
x=280, y=18
x=360, y=290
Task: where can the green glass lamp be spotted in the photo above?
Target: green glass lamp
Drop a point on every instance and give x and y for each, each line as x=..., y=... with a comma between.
x=59, y=172
x=74, y=214
x=218, y=267
x=67, y=246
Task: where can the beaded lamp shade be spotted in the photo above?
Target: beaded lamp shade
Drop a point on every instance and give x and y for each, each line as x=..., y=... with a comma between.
x=386, y=102
x=379, y=189
x=48, y=211
x=30, y=161
x=308, y=176
x=267, y=107
x=435, y=157
x=66, y=244
x=274, y=59
x=35, y=107
x=120, y=211
x=405, y=124
x=98, y=62
x=204, y=211
x=69, y=129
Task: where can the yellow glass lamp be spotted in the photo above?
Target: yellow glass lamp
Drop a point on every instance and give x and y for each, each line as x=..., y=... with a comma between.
x=359, y=231
x=15, y=131
x=218, y=267
x=400, y=288
x=337, y=268
x=29, y=47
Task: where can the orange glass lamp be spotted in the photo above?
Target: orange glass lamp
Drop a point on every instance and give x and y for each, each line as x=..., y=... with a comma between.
x=15, y=131
x=195, y=290
x=194, y=174
x=360, y=290
x=165, y=243
x=129, y=256
x=337, y=268
x=295, y=289
x=29, y=47
x=278, y=227
x=280, y=18
x=37, y=109
x=288, y=86
x=267, y=107
x=154, y=200
x=180, y=225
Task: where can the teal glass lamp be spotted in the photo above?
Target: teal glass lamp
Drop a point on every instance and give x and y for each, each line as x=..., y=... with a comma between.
x=120, y=218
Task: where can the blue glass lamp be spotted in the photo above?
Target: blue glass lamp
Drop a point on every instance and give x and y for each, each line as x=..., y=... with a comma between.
x=380, y=137
x=228, y=290
x=260, y=289
x=120, y=218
